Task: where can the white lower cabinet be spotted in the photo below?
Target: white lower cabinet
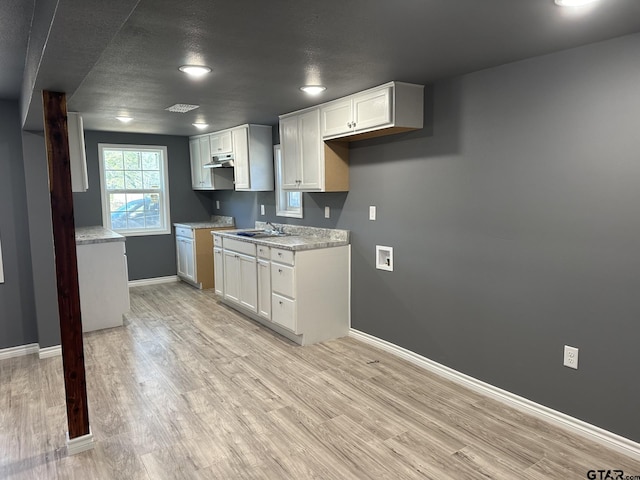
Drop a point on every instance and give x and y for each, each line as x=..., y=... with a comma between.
x=264, y=288
x=240, y=274
x=218, y=270
x=186, y=259
x=304, y=295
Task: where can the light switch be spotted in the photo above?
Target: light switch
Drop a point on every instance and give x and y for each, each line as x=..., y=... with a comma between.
x=327, y=212
x=217, y=204
x=261, y=209
x=372, y=212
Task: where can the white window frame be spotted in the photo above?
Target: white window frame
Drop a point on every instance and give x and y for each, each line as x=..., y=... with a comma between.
x=165, y=215
x=283, y=197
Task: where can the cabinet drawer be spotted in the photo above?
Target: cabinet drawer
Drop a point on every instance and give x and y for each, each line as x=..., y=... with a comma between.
x=282, y=278
x=283, y=312
x=184, y=232
x=217, y=240
x=264, y=252
x=282, y=256
x=239, y=246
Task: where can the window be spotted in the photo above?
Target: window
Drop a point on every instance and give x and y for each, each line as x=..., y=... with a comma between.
x=135, y=189
x=288, y=204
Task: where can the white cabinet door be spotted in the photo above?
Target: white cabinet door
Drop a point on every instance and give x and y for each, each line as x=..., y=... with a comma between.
x=248, y=282
x=221, y=143
x=337, y=118
x=218, y=271
x=372, y=109
x=186, y=258
x=205, y=157
x=196, y=164
x=290, y=152
x=264, y=288
x=310, y=143
x=241, y=158
x=231, y=276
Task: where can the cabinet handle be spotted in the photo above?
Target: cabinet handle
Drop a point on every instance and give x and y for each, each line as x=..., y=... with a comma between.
x=279, y=254
x=280, y=302
x=279, y=270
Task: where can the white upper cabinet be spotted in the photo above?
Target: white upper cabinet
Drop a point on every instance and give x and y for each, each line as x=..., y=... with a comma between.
x=253, y=158
x=252, y=151
x=308, y=163
x=221, y=143
x=77, y=153
x=390, y=108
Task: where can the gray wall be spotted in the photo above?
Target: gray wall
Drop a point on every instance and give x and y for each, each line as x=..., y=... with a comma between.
x=154, y=255
x=17, y=312
x=41, y=239
x=515, y=221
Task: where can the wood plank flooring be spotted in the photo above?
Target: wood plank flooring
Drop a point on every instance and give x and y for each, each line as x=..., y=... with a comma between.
x=190, y=389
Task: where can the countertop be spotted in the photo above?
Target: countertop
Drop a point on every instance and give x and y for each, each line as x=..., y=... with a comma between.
x=296, y=238
x=217, y=221
x=97, y=234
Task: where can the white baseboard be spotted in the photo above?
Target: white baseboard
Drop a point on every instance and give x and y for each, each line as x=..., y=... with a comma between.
x=48, y=352
x=80, y=444
x=604, y=437
x=18, y=351
x=153, y=281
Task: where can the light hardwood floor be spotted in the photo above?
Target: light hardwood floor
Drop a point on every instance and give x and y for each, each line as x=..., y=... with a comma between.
x=190, y=389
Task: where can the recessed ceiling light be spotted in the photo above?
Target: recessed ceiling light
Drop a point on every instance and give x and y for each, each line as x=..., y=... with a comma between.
x=573, y=3
x=196, y=71
x=313, y=89
x=200, y=126
x=125, y=119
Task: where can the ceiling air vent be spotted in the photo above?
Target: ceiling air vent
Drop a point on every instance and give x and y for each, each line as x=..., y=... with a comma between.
x=181, y=108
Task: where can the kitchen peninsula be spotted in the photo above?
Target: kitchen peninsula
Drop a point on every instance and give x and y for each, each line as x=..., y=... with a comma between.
x=103, y=277
x=293, y=279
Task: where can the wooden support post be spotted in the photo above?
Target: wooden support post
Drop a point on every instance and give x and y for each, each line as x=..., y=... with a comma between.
x=56, y=137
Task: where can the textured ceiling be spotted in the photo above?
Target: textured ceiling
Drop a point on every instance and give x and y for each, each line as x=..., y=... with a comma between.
x=15, y=23
x=262, y=51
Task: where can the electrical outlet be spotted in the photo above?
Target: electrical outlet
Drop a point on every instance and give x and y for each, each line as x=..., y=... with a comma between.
x=327, y=212
x=372, y=212
x=217, y=204
x=261, y=209
x=570, y=357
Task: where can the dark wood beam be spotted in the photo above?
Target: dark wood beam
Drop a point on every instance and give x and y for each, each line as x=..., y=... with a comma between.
x=56, y=137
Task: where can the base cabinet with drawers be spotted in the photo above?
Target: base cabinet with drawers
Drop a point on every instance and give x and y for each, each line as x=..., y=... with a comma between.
x=303, y=295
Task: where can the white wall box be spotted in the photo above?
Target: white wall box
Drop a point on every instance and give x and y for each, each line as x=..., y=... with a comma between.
x=303, y=295
x=195, y=256
x=251, y=147
x=390, y=108
x=77, y=153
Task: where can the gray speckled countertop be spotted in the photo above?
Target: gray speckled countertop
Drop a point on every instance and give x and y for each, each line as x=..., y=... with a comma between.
x=98, y=234
x=296, y=238
x=217, y=221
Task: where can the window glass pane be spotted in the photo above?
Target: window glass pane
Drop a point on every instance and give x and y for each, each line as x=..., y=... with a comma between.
x=150, y=161
x=113, y=160
x=114, y=179
x=151, y=179
x=131, y=160
x=133, y=180
x=294, y=199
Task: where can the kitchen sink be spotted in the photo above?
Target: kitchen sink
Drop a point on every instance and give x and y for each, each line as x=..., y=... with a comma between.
x=261, y=233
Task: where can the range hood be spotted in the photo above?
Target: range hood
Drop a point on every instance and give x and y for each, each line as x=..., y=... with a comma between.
x=218, y=161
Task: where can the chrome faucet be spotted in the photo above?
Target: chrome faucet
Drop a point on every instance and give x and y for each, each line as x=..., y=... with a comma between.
x=276, y=229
